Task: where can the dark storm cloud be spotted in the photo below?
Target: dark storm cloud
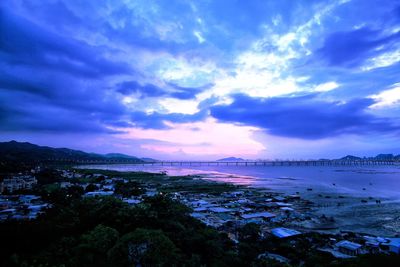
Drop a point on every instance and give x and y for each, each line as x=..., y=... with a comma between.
x=133, y=87
x=22, y=89
x=52, y=83
x=24, y=43
x=303, y=117
x=27, y=113
x=352, y=48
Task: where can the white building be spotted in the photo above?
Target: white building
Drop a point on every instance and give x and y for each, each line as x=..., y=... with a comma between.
x=18, y=183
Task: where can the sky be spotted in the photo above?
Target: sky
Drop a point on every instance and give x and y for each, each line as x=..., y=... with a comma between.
x=202, y=79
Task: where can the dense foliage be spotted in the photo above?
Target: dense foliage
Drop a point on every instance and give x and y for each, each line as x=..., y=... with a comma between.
x=107, y=232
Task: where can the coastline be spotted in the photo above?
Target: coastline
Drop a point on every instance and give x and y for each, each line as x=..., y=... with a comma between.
x=330, y=211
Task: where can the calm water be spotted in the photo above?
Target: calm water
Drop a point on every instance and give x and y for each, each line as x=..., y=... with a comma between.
x=374, y=181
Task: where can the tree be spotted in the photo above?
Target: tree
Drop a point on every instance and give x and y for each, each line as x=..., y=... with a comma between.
x=92, y=251
x=250, y=232
x=48, y=176
x=144, y=247
x=128, y=189
x=91, y=188
x=101, y=238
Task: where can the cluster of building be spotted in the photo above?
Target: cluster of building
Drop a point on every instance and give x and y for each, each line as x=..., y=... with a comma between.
x=357, y=244
x=104, y=187
x=229, y=211
x=17, y=183
x=21, y=207
x=70, y=174
x=277, y=216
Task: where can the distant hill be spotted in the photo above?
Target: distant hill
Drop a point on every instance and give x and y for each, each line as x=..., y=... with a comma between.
x=231, y=159
x=350, y=157
x=14, y=151
x=119, y=155
x=377, y=157
x=385, y=156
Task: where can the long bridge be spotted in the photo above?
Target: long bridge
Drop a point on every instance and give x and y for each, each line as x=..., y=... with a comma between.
x=234, y=163
x=274, y=163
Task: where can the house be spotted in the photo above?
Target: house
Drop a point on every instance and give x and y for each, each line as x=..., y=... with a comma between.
x=349, y=248
x=219, y=209
x=198, y=203
x=283, y=204
x=394, y=245
x=151, y=192
x=132, y=201
x=281, y=232
x=65, y=184
x=99, y=193
x=275, y=257
x=265, y=215
x=28, y=198
x=373, y=243
x=279, y=198
x=287, y=209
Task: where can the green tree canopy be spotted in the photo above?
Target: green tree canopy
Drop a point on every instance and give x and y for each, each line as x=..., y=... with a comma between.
x=144, y=247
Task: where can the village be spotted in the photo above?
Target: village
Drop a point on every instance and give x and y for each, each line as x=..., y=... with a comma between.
x=277, y=216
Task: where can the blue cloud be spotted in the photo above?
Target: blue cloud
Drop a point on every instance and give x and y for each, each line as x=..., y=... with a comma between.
x=157, y=120
x=352, y=48
x=133, y=87
x=26, y=113
x=151, y=90
x=304, y=117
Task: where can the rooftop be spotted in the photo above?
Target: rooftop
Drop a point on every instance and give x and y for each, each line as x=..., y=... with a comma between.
x=348, y=245
x=284, y=232
x=258, y=215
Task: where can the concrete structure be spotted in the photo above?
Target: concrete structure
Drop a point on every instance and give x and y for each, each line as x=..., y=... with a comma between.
x=281, y=232
x=349, y=248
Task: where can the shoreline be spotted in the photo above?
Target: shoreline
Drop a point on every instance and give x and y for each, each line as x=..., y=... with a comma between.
x=345, y=209
x=378, y=218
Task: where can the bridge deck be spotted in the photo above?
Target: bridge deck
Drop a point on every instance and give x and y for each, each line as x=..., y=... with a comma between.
x=238, y=163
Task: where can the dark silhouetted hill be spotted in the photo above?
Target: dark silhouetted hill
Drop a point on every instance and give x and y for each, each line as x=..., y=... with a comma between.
x=14, y=151
x=231, y=159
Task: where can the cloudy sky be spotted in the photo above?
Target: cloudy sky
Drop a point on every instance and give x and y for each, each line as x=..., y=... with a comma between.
x=202, y=79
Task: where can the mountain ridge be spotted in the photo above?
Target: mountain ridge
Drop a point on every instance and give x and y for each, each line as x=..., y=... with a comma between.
x=27, y=152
